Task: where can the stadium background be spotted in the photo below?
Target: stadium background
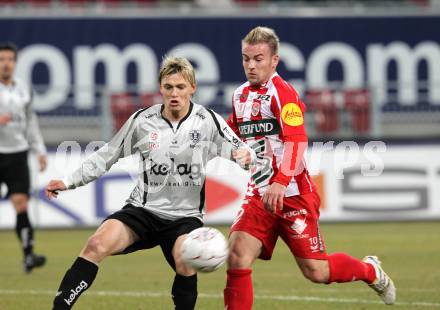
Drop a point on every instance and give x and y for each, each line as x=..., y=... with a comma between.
x=367, y=71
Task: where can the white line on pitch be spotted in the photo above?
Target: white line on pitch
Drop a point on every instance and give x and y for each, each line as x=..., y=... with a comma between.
x=204, y=295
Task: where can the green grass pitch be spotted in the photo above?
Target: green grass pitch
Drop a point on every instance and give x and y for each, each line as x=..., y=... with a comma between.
x=410, y=253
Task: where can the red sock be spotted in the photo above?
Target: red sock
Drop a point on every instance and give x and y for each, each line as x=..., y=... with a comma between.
x=239, y=294
x=344, y=268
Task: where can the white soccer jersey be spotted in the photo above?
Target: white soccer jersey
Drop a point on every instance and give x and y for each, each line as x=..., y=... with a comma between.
x=22, y=132
x=173, y=160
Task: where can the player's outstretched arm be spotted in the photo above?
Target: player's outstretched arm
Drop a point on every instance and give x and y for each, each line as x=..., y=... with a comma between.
x=229, y=144
x=54, y=187
x=243, y=156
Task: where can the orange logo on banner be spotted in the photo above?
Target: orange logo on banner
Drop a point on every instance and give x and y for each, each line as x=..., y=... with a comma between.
x=292, y=115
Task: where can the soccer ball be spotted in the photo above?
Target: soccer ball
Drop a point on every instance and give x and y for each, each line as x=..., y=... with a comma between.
x=205, y=249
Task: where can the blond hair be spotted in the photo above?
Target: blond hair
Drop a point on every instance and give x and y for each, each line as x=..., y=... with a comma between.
x=171, y=65
x=263, y=35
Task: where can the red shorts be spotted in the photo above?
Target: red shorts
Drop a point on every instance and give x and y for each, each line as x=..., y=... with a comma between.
x=297, y=224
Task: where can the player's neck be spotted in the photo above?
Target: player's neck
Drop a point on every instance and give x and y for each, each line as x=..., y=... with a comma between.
x=6, y=80
x=176, y=116
x=258, y=85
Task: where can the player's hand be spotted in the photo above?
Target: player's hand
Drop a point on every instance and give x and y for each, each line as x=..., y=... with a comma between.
x=54, y=187
x=42, y=160
x=242, y=157
x=273, y=197
x=5, y=118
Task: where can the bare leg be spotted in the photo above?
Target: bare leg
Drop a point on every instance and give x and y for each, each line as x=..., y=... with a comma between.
x=111, y=237
x=244, y=250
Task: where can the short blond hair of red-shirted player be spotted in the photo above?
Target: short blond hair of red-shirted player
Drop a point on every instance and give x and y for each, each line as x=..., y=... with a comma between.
x=263, y=35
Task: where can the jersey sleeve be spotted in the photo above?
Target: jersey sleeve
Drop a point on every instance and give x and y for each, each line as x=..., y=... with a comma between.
x=225, y=140
x=99, y=162
x=290, y=165
x=232, y=122
x=33, y=133
x=289, y=111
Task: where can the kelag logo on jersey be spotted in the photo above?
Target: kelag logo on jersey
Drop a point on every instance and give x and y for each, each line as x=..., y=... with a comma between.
x=191, y=170
x=263, y=127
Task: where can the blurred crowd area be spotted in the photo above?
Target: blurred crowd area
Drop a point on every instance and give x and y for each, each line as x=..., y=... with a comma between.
x=358, y=80
x=210, y=3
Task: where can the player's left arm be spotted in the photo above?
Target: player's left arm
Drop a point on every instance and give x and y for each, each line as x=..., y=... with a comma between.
x=229, y=145
x=289, y=111
x=34, y=136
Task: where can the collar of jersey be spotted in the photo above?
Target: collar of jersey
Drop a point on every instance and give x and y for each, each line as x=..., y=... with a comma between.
x=182, y=120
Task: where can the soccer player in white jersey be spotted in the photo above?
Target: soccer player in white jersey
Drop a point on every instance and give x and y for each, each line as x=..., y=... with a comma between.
x=175, y=140
x=19, y=133
x=281, y=200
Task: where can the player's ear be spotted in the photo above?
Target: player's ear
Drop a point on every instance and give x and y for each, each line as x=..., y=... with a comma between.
x=275, y=60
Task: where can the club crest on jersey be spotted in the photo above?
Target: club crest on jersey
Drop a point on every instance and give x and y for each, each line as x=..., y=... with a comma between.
x=255, y=108
x=194, y=136
x=154, y=136
x=153, y=140
x=291, y=114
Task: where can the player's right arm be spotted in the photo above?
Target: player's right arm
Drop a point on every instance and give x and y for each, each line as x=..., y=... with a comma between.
x=99, y=162
x=244, y=155
x=228, y=144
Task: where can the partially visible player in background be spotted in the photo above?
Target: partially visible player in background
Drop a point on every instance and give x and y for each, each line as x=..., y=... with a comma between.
x=174, y=140
x=19, y=133
x=281, y=200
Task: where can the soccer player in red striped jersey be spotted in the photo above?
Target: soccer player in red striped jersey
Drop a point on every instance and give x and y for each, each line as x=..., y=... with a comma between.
x=281, y=200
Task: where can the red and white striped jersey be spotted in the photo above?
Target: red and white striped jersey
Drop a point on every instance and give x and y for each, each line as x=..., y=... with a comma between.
x=270, y=119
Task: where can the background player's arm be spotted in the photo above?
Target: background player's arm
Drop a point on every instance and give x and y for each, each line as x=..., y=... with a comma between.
x=121, y=145
x=35, y=137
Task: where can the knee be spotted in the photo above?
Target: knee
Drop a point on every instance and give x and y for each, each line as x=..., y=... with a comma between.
x=182, y=268
x=316, y=276
x=243, y=250
x=95, y=248
x=317, y=273
x=239, y=259
x=20, y=202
